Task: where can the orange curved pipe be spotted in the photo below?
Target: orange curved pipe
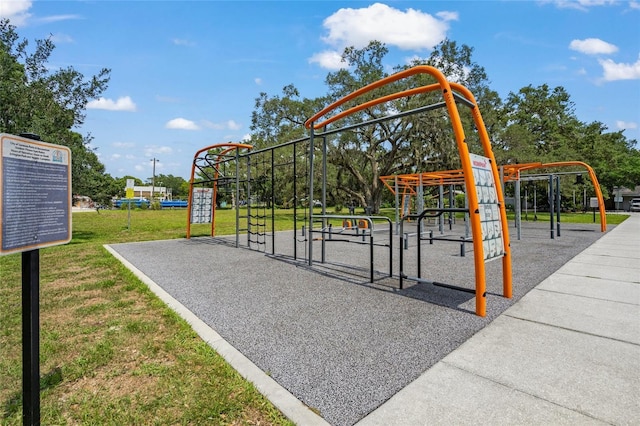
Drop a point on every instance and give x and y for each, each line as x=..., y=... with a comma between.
x=420, y=69
x=463, y=150
x=488, y=152
x=374, y=102
x=592, y=175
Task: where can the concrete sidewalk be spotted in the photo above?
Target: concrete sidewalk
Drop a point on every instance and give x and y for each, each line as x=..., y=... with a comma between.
x=567, y=353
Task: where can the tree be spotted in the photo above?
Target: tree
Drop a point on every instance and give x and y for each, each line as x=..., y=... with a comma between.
x=174, y=185
x=546, y=118
x=615, y=159
x=357, y=159
x=539, y=125
x=279, y=119
x=49, y=103
x=421, y=142
x=533, y=124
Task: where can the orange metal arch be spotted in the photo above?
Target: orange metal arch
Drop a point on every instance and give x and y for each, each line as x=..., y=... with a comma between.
x=512, y=172
x=447, y=93
x=230, y=146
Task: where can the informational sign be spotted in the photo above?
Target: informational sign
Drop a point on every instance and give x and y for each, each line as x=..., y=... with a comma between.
x=593, y=202
x=35, y=194
x=202, y=205
x=129, y=188
x=492, y=242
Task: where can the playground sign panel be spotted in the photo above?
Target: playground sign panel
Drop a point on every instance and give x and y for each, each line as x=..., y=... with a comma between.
x=492, y=242
x=35, y=194
x=202, y=205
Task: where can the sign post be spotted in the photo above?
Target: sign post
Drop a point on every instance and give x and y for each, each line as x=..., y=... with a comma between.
x=35, y=207
x=129, y=191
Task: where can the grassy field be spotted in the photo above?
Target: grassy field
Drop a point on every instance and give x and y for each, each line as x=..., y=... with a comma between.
x=111, y=352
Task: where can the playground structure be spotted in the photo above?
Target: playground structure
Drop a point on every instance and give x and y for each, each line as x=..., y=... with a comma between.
x=513, y=173
x=410, y=187
x=262, y=178
x=218, y=167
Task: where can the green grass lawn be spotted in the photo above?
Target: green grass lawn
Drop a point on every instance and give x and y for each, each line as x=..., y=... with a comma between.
x=111, y=351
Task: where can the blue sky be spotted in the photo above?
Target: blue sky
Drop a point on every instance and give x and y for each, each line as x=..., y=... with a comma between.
x=185, y=75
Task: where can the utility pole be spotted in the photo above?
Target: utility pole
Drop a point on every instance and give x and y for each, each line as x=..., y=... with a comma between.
x=153, y=179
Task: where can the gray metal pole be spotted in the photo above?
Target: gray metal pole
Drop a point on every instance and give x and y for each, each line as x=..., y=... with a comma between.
x=310, y=197
x=237, y=199
x=420, y=203
x=466, y=213
x=518, y=208
x=551, y=205
x=397, y=198
x=441, y=205
x=248, y=201
x=558, y=204
x=324, y=193
x=450, y=205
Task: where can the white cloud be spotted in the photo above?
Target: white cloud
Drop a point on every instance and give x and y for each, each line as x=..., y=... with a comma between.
x=329, y=59
x=181, y=123
x=153, y=150
x=583, y=5
x=593, y=46
x=15, y=11
x=61, y=38
x=258, y=81
x=123, y=145
x=212, y=125
x=232, y=125
x=411, y=29
x=229, y=124
x=634, y=5
x=447, y=16
x=619, y=71
x=58, y=18
x=623, y=125
x=122, y=104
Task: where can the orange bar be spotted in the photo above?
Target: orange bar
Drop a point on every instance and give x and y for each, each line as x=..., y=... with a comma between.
x=507, y=280
x=514, y=170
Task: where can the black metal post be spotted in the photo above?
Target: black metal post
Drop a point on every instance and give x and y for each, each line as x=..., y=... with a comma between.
x=295, y=202
x=31, y=337
x=371, y=253
x=551, y=204
x=273, y=204
x=558, y=205
x=401, y=253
